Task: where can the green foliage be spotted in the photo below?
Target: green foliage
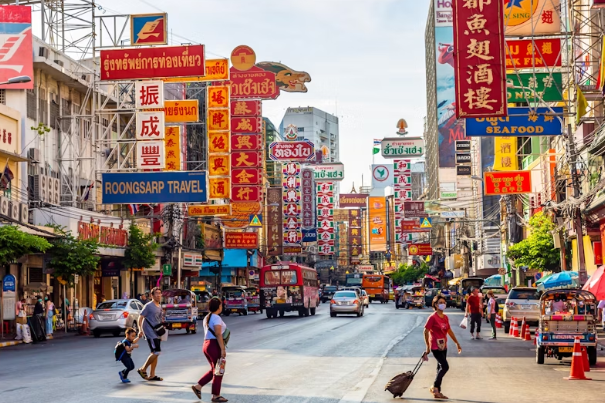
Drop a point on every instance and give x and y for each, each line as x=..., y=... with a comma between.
x=71, y=256
x=140, y=250
x=538, y=250
x=15, y=243
x=41, y=129
x=406, y=274
x=200, y=242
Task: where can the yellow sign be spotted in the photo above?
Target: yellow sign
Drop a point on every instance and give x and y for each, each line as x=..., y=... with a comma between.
x=220, y=188
x=255, y=221
x=218, y=142
x=182, y=111
x=243, y=58
x=209, y=210
x=425, y=223
x=172, y=143
x=216, y=70
x=219, y=165
x=218, y=97
x=505, y=154
x=530, y=17
x=218, y=119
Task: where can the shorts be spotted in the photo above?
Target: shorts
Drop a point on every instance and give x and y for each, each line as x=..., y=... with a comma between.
x=154, y=346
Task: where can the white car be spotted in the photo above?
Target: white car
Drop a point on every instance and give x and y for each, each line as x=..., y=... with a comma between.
x=522, y=302
x=365, y=298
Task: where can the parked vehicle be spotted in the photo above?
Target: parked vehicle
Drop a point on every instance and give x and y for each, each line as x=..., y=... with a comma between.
x=328, y=292
x=464, y=290
x=564, y=316
x=377, y=286
x=521, y=302
x=417, y=297
x=346, y=302
x=287, y=287
x=115, y=316
x=447, y=295
x=429, y=295
x=353, y=280
x=403, y=294
x=366, y=298
x=453, y=291
x=235, y=300
x=179, y=310
x=202, y=299
x=253, y=298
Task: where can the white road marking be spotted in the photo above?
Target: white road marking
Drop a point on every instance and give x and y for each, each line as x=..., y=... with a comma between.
x=360, y=390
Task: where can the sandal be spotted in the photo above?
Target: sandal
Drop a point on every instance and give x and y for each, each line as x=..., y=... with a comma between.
x=198, y=393
x=437, y=394
x=219, y=399
x=142, y=373
x=155, y=378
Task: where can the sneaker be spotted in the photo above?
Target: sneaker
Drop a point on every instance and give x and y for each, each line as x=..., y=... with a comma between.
x=493, y=338
x=125, y=380
x=472, y=336
x=122, y=377
x=478, y=336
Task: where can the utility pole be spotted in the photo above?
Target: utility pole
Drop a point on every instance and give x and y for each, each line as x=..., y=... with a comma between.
x=577, y=215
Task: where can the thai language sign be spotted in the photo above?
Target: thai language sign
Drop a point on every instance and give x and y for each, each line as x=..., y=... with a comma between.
x=170, y=61
x=520, y=122
x=329, y=172
x=511, y=182
x=534, y=87
x=420, y=249
x=154, y=187
x=209, y=210
x=533, y=53
x=402, y=147
x=292, y=151
x=352, y=200
x=241, y=240
x=253, y=83
x=479, y=65
x=216, y=70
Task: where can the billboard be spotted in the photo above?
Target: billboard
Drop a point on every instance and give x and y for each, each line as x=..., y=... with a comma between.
x=216, y=70
x=292, y=151
x=356, y=200
x=148, y=29
x=16, y=39
x=329, y=172
x=402, y=147
x=534, y=87
x=480, y=74
x=166, y=61
x=241, y=240
x=253, y=83
x=520, y=122
x=154, y=187
x=532, y=17
x=378, y=224
x=533, y=53
x=512, y=182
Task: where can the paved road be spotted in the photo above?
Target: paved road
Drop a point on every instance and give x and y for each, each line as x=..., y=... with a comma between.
x=291, y=359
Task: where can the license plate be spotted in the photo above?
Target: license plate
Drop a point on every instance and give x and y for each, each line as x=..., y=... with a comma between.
x=234, y=310
x=372, y=295
x=565, y=349
x=526, y=307
x=176, y=325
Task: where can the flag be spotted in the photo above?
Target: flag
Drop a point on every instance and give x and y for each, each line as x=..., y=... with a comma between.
x=134, y=208
x=7, y=177
x=581, y=105
x=376, y=146
x=601, y=76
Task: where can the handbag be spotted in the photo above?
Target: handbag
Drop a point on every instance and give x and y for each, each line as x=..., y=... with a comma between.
x=226, y=333
x=159, y=329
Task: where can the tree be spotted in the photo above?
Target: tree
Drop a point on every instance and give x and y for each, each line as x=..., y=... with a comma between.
x=538, y=250
x=71, y=256
x=15, y=243
x=140, y=250
x=409, y=273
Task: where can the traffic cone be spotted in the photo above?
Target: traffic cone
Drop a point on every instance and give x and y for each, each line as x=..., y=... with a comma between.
x=516, y=330
x=577, y=366
x=84, y=328
x=511, y=328
x=523, y=329
x=498, y=321
x=585, y=359
x=527, y=333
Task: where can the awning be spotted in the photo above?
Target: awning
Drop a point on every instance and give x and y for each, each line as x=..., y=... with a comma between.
x=455, y=281
x=12, y=157
x=38, y=230
x=595, y=211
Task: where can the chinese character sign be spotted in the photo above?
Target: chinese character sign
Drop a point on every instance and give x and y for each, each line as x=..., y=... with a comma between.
x=218, y=97
x=149, y=94
x=479, y=66
x=292, y=234
x=531, y=17
x=307, y=198
x=219, y=165
x=246, y=142
x=172, y=143
x=218, y=142
x=150, y=125
x=219, y=188
x=325, y=218
x=150, y=155
x=355, y=235
x=505, y=154
x=503, y=183
x=218, y=119
x=274, y=221
x=403, y=192
x=246, y=107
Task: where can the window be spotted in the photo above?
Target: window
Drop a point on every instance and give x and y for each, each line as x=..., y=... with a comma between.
x=272, y=278
x=3, y=96
x=288, y=277
x=31, y=104
x=36, y=275
x=523, y=294
x=134, y=305
x=54, y=112
x=65, y=113
x=42, y=107
x=301, y=129
x=345, y=294
x=112, y=305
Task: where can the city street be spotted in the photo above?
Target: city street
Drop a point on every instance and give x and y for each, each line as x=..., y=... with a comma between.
x=292, y=359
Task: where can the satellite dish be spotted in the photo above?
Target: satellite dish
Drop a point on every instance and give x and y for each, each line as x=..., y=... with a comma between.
x=402, y=127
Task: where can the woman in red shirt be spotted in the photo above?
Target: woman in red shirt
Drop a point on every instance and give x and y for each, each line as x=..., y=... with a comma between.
x=436, y=330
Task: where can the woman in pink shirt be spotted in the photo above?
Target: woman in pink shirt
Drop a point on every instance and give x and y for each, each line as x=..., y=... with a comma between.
x=436, y=330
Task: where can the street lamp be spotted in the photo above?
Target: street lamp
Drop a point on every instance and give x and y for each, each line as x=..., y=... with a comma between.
x=477, y=178
x=17, y=80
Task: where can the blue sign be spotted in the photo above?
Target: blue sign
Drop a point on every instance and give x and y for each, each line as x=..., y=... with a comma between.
x=9, y=283
x=309, y=235
x=155, y=187
x=148, y=29
x=520, y=122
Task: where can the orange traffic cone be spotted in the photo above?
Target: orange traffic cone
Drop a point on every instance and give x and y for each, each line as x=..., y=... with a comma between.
x=511, y=328
x=523, y=329
x=84, y=329
x=498, y=321
x=516, y=330
x=577, y=366
x=585, y=360
x=527, y=333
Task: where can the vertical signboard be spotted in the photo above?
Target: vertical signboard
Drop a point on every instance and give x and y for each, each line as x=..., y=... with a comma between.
x=219, y=146
x=378, y=224
x=307, y=198
x=17, y=39
x=274, y=221
x=172, y=143
x=403, y=193
x=325, y=218
x=291, y=185
x=355, y=237
x=479, y=67
x=505, y=154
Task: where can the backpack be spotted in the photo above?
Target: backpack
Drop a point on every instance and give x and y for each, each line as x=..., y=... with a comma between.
x=497, y=307
x=119, y=350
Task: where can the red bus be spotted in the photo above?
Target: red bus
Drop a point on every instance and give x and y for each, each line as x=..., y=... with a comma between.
x=288, y=287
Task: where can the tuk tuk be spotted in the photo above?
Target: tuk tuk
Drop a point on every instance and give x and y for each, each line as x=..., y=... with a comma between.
x=417, y=297
x=565, y=315
x=253, y=298
x=202, y=300
x=235, y=300
x=179, y=310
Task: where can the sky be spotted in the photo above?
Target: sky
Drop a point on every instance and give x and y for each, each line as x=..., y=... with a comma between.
x=365, y=58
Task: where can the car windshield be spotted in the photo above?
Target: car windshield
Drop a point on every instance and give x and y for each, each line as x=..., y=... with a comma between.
x=112, y=305
x=345, y=294
x=501, y=301
x=331, y=289
x=523, y=294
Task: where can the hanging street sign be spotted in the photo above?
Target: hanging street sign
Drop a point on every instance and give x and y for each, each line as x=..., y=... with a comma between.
x=402, y=147
x=292, y=151
x=256, y=220
x=546, y=121
x=534, y=87
x=329, y=172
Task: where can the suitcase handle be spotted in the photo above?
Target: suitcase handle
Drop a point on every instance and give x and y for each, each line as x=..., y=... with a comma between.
x=417, y=367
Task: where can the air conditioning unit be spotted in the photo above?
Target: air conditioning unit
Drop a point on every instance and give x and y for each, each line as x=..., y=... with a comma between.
x=41, y=188
x=43, y=52
x=24, y=216
x=4, y=206
x=34, y=154
x=15, y=209
x=55, y=195
x=59, y=62
x=49, y=189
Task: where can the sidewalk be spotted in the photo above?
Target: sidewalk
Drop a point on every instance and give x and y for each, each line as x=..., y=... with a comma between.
x=9, y=339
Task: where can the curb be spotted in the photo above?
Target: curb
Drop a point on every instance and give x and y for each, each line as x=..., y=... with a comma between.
x=10, y=343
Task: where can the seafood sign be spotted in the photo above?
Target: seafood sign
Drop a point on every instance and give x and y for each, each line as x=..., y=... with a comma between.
x=292, y=151
x=402, y=147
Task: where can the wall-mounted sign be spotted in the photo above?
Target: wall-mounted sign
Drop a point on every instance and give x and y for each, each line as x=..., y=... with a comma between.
x=192, y=260
x=510, y=182
x=534, y=87
x=151, y=154
x=420, y=249
x=17, y=54
x=148, y=29
x=414, y=209
x=292, y=151
x=448, y=194
x=209, y=210
x=520, y=122
x=216, y=70
x=352, y=200
x=246, y=125
x=105, y=235
x=463, y=145
x=243, y=58
x=241, y=240
x=329, y=172
x=254, y=83
x=309, y=235
x=9, y=283
x=533, y=53
x=534, y=17
x=463, y=158
x=149, y=94
x=463, y=170
x=402, y=147
x=246, y=107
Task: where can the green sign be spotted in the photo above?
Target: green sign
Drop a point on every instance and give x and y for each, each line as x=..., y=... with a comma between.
x=530, y=87
x=167, y=269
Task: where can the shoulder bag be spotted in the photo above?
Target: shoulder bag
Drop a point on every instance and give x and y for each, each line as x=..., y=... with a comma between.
x=159, y=329
x=226, y=333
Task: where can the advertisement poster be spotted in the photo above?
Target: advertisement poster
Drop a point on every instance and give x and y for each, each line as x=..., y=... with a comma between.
x=491, y=204
x=378, y=224
x=16, y=38
x=531, y=17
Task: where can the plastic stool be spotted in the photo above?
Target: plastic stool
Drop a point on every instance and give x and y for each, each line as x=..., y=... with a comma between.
x=6, y=327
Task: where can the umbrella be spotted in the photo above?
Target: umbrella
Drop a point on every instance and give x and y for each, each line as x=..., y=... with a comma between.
x=562, y=279
x=596, y=284
x=493, y=281
x=543, y=279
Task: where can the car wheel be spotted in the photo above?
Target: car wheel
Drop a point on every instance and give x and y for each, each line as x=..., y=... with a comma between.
x=506, y=327
x=187, y=331
x=135, y=326
x=540, y=355
x=227, y=313
x=281, y=314
x=358, y=314
x=96, y=334
x=313, y=311
x=116, y=334
x=332, y=315
x=592, y=355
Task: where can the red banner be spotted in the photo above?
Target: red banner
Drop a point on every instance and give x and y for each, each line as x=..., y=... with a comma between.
x=246, y=176
x=246, y=142
x=525, y=53
x=246, y=125
x=597, y=247
x=246, y=107
x=511, y=182
x=479, y=67
x=241, y=240
x=246, y=159
x=246, y=193
x=165, y=61
x=420, y=249
x=253, y=83
x=17, y=53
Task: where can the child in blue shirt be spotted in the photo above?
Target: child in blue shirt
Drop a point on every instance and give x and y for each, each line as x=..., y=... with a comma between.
x=130, y=343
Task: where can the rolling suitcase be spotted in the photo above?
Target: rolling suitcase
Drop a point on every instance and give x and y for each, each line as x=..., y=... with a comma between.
x=400, y=383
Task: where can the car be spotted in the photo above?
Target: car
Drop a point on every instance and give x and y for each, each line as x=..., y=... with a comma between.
x=429, y=295
x=115, y=316
x=328, y=292
x=521, y=302
x=366, y=298
x=346, y=302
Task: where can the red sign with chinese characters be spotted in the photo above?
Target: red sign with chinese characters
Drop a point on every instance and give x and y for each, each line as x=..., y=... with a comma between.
x=246, y=142
x=241, y=240
x=597, y=247
x=246, y=107
x=479, y=62
x=246, y=176
x=527, y=53
x=420, y=249
x=165, y=61
x=246, y=125
x=246, y=159
x=511, y=182
x=253, y=83
x=246, y=193
x=411, y=226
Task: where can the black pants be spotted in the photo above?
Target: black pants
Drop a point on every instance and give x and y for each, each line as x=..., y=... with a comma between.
x=442, y=367
x=475, y=319
x=128, y=363
x=492, y=321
